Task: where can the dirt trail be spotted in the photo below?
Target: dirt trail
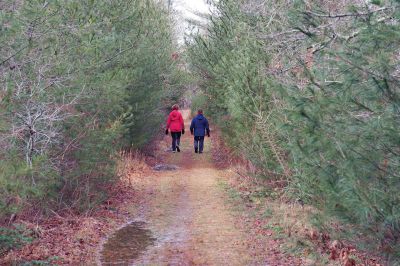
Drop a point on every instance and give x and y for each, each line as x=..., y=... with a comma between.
x=187, y=212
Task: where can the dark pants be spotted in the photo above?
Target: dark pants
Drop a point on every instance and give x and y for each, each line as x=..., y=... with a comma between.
x=176, y=139
x=199, y=143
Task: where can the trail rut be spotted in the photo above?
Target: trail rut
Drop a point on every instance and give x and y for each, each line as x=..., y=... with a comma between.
x=186, y=211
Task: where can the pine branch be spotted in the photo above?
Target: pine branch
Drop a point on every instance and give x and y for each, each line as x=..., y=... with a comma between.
x=346, y=14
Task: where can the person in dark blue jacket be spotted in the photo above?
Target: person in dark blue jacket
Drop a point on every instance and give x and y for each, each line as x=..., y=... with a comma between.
x=199, y=128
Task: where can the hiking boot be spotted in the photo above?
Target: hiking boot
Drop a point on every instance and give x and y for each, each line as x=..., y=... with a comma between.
x=177, y=148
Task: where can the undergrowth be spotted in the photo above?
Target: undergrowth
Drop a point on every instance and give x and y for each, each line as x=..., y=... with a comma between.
x=14, y=237
x=304, y=231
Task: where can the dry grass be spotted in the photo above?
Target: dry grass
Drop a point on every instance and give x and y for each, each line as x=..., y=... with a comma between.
x=288, y=227
x=73, y=239
x=132, y=164
x=291, y=222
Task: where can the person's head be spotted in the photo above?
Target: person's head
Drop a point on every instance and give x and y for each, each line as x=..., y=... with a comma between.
x=175, y=107
x=200, y=111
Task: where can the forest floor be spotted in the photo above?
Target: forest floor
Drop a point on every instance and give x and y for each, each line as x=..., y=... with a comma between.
x=202, y=213
x=189, y=213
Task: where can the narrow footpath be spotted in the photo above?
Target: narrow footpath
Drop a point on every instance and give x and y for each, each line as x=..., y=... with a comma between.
x=186, y=212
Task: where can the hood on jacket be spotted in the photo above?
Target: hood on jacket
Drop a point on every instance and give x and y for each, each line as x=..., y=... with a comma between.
x=200, y=117
x=174, y=115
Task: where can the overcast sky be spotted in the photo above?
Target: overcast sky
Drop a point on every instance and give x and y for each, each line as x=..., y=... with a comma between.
x=187, y=9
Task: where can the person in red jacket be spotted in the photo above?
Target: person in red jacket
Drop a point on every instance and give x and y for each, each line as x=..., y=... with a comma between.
x=177, y=127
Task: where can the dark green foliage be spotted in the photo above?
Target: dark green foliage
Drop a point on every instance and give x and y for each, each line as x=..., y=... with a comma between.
x=79, y=80
x=315, y=89
x=20, y=183
x=14, y=238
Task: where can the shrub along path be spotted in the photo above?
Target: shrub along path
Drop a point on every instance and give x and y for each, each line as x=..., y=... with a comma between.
x=187, y=210
x=190, y=216
x=198, y=214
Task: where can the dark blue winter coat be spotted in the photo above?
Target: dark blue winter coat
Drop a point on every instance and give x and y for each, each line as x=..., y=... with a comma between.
x=199, y=126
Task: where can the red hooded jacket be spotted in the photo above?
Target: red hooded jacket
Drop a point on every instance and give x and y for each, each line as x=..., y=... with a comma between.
x=175, y=121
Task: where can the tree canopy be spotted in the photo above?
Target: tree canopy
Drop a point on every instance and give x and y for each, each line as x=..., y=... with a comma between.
x=309, y=91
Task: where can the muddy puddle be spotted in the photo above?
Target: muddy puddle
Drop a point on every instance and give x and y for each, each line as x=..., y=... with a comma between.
x=126, y=244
